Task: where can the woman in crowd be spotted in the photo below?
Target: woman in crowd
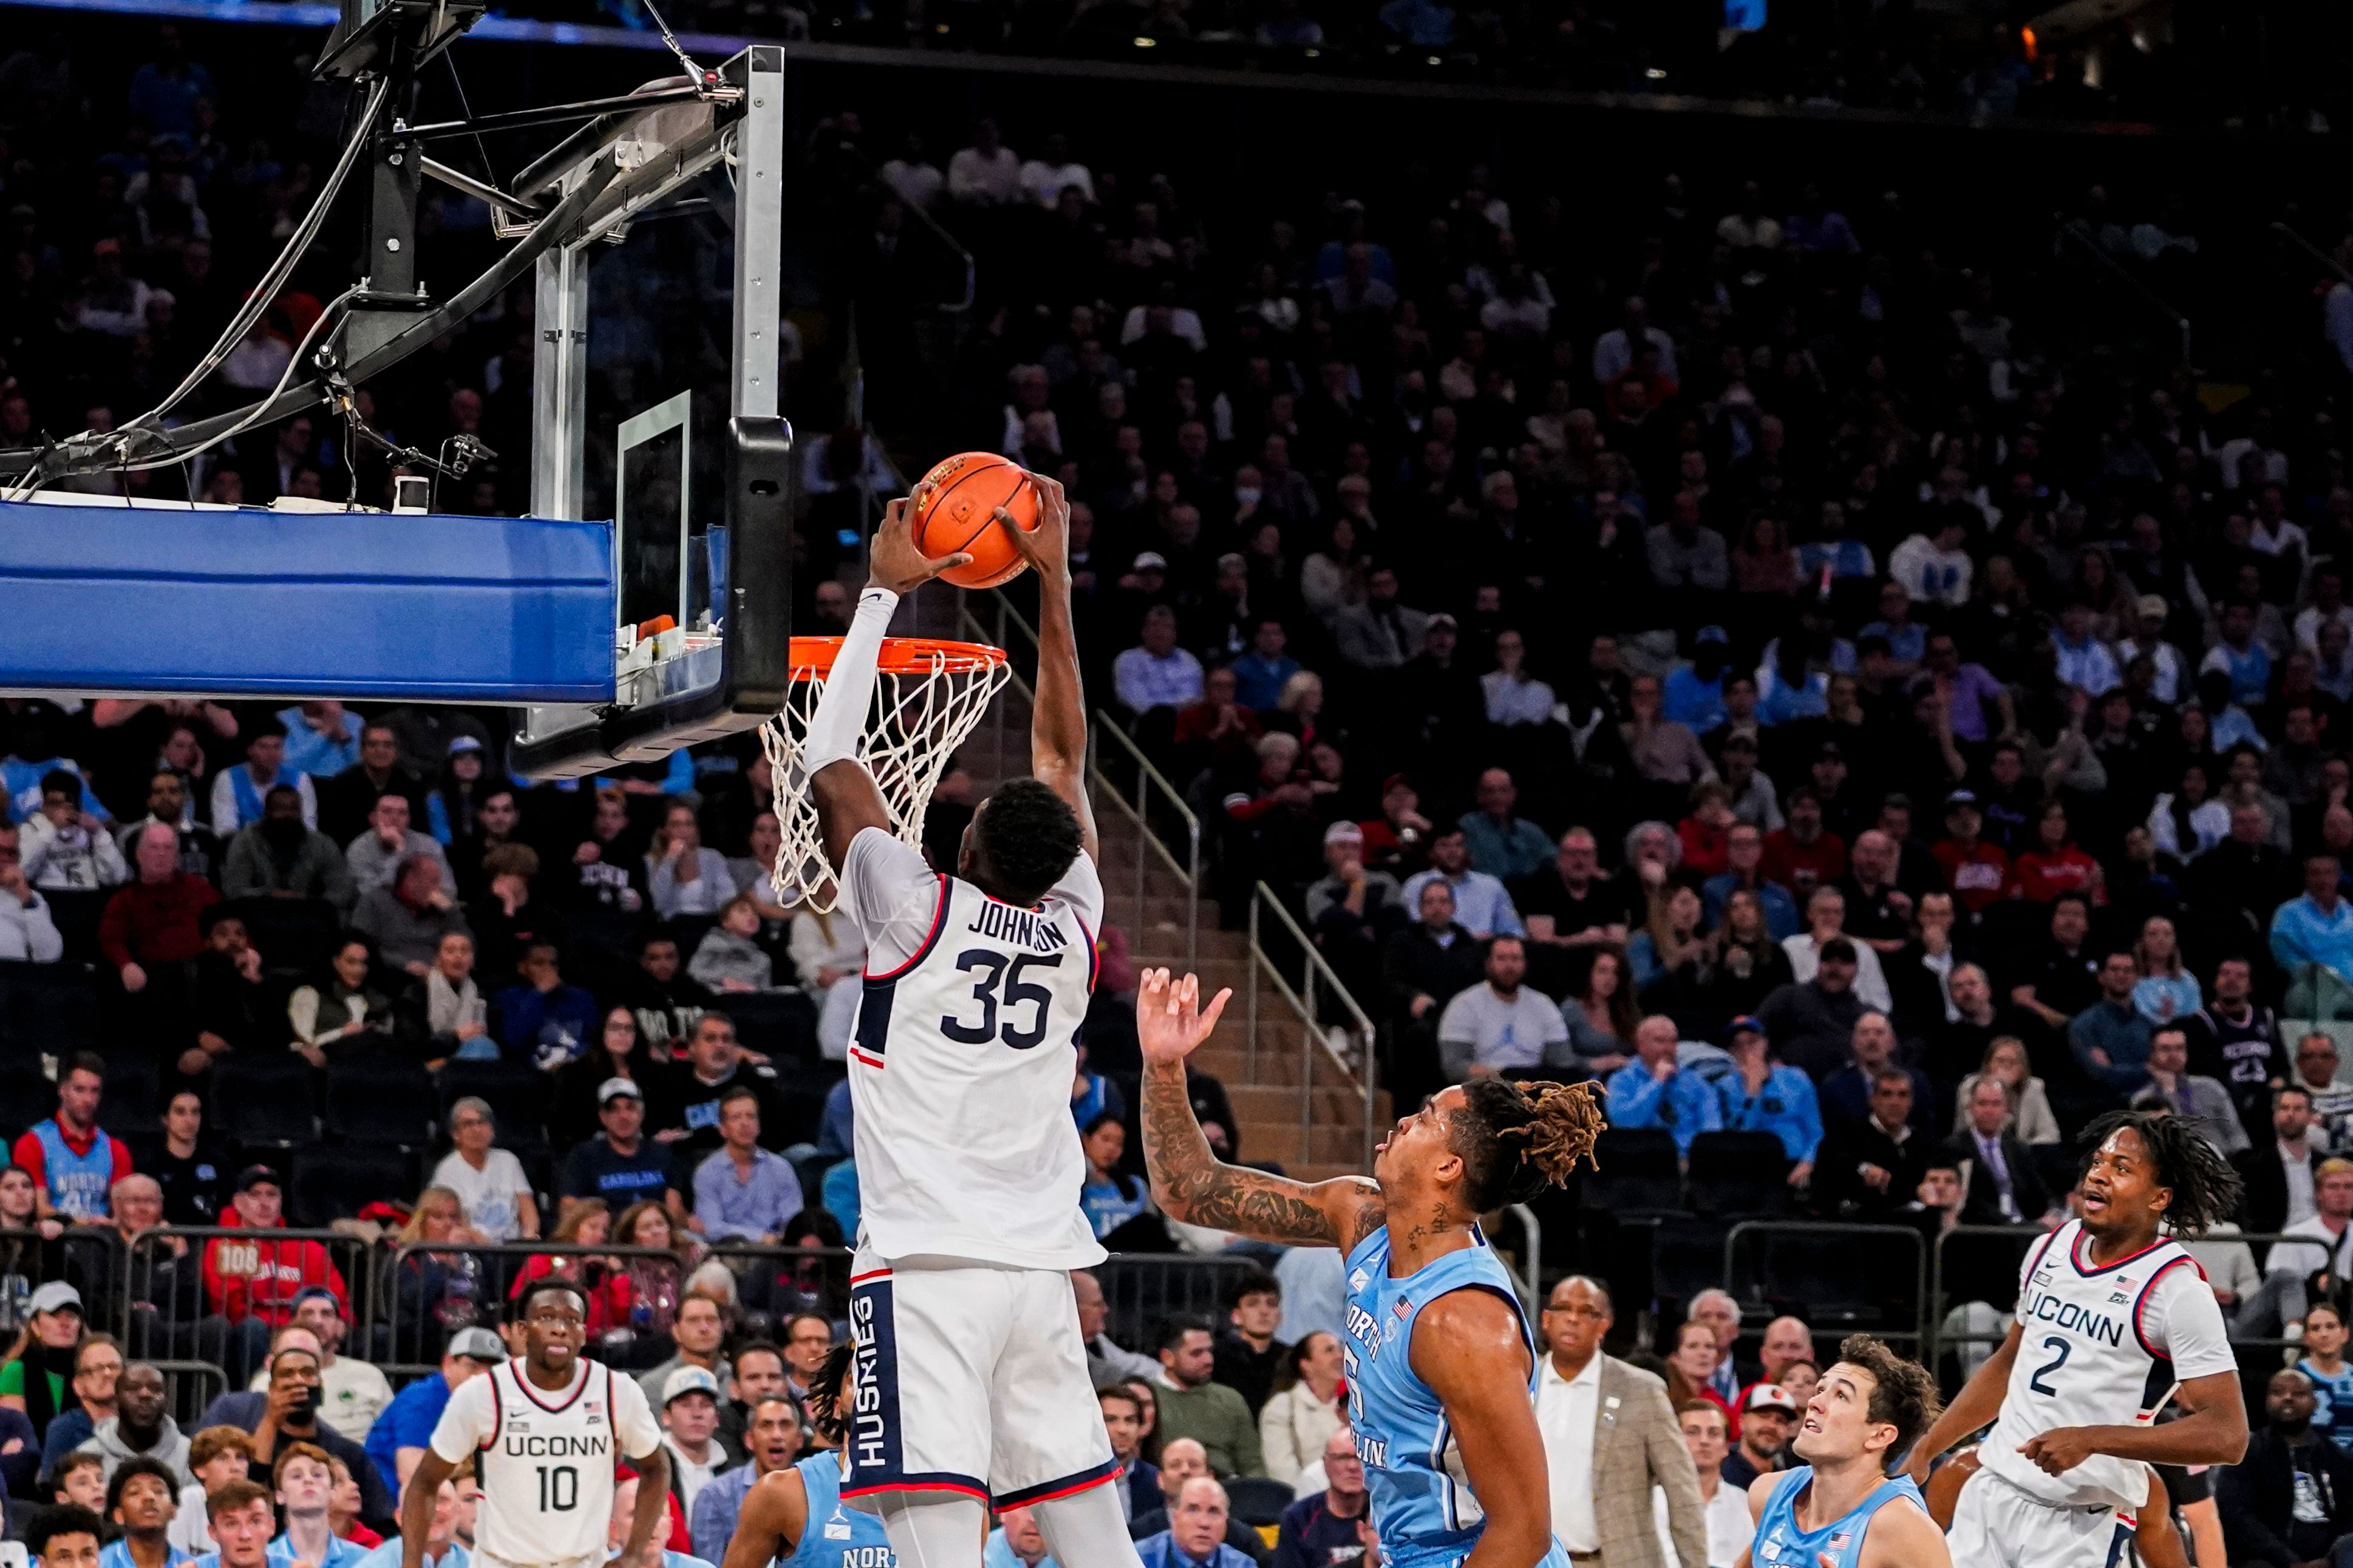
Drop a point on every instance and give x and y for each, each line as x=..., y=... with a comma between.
x=488, y=1179
x=1308, y=1404
x=1691, y=1365
x=1148, y=1445
x=1705, y=833
x=1514, y=696
x=1601, y=1017
x=1749, y=965
x=603, y=1280
x=2031, y=1120
x=30, y=1251
x=656, y=1283
x=2168, y=991
x=340, y=1008
x=1108, y=1199
x=1762, y=563
x=729, y=958
x=619, y=1051
x=1299, y=711
x=36, y=1374
x=684, y=876
x=1670, y=944
x=2323, y=1362
x=429, y=1291
x=2056, y=864
x=1332, y=578
x=827, y=953
x=449, y=809
x=2189, y=821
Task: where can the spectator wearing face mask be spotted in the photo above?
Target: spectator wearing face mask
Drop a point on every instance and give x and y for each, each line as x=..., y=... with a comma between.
x=280, y=856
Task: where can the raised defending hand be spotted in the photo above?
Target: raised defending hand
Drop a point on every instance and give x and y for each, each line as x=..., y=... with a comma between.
x=894, y=562
x=1047, y=547
x=1169, y=1019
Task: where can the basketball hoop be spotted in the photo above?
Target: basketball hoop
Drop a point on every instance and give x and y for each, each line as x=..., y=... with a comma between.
x=928, y=697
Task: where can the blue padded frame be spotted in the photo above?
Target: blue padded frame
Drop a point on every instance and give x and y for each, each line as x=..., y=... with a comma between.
x=253, y=602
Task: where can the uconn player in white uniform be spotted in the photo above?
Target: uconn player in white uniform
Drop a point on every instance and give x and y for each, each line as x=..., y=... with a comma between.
x=972, y=1380
x=2113, y=1319
x=545, y=1430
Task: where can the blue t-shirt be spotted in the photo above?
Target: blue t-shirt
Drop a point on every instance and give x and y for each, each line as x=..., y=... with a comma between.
x=406, y=1423
x=2333, y=1416
x=1110, y=1204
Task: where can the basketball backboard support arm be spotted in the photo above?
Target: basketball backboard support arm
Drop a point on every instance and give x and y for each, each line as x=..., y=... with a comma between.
x=755, y=618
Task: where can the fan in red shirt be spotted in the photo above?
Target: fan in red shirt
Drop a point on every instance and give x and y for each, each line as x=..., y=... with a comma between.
x=255, y=1283
x=2055, y=865
x=1979, y=872
x=1802, y=856
x=153, y=920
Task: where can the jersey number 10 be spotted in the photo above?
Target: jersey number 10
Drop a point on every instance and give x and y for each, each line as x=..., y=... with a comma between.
x=559, y=1489
x=1016, y=993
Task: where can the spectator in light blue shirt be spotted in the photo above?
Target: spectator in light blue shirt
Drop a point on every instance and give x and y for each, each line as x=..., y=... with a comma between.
x=1482, y=906
x=442, y=1548
x=2316, y=928
x=1156, y=673
x=1015, y=1542
x=1744, y=847
x=1907, y=639
x=2085, y=660
x=2239, y=656
x=1692, y=694
x=1261, y=674
x=1195, y=1536
x=1502, y=843
x=2167, y=992
x=743, y=1193
x=323, y=738
x=1652, y=1090
x=1761, y=1094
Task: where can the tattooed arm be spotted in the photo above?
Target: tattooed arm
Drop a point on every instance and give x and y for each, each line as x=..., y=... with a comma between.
x=1189, y=1182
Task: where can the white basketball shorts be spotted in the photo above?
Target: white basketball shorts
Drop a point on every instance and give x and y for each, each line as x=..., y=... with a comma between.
x=970, y=1378
x=1995, y=1525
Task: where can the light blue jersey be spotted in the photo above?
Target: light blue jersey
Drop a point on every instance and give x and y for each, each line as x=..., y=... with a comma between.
x=1422, y=1507
x=1781, y=1545
x=834, y=1536
x=2334, y=1418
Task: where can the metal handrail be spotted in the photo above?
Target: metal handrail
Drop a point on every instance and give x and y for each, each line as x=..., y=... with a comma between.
x=2081, y=234
x=1009, y=619
x=1261, y=894
x=2292, y=238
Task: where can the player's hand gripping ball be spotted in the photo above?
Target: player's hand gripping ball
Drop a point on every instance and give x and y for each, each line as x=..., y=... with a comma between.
x=961, y=498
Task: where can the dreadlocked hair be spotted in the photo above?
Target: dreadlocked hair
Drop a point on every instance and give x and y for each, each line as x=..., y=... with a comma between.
x=2205, y=1188
x=830, y=1395
x=1517, y=1139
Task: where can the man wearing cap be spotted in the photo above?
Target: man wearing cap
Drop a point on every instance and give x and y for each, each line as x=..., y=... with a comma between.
x=1769, y=1414
x=1812, y=1022
x=404, y=1429
x=1352, y=911
x=1156, y=673
x=1693, y=693
x=2146, y=639
x=1978, y=871
x=254, y=1282
x=354, y=1393
x=690, y=1420
x=620, y=1165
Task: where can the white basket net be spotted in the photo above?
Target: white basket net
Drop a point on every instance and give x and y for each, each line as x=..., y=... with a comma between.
x=928, y=697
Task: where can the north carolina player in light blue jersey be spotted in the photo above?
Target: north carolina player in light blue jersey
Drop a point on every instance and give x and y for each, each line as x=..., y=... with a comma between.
x=1841, y=1509
x=1441, y=1366
x=795, y=1517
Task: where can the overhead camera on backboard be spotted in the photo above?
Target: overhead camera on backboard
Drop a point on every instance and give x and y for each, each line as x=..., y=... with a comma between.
x=369, y=29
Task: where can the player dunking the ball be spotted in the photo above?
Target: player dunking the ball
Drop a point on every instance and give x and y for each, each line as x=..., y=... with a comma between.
x=2113, y=1319
x=546, y=1430
x=1440, y=1362
x=1840, y=1509
x=972, y=1380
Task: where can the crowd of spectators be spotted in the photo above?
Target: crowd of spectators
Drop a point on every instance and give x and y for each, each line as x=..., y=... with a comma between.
x=1761, y=666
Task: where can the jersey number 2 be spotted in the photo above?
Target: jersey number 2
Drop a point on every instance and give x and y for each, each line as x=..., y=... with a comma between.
x=995, y=968
x=559, y=1489
x=2065, y=1347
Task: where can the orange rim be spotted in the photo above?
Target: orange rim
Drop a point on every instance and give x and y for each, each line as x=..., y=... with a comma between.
x=900, y=656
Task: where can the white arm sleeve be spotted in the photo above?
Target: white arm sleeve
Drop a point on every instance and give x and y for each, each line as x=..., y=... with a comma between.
x=841, y=717
x=2182, y=1319
x=464, y=1420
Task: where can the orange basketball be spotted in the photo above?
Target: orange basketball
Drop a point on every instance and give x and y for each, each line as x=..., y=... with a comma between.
x=960, y=514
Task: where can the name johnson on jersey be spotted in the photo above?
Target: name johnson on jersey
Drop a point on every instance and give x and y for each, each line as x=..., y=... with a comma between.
x=1023, y=928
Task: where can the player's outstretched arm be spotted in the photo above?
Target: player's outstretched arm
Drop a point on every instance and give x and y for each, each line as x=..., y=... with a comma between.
x=840, y=785
x=644, y=1547
x=1190, y=1183
x=1979, y=1402
x=417, y=1502
x=1058, y=719
x=1467, y=1348
x=774, y=1513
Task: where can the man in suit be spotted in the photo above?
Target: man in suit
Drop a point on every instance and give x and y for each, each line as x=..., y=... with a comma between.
x=1999, y=1183
x=2277, y=1172
x=1610, y=1437
x=1867, y=1169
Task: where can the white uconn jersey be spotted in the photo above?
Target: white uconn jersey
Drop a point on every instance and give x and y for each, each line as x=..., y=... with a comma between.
x=545, y=1461
x=962, y=1060
x=2100, y=1347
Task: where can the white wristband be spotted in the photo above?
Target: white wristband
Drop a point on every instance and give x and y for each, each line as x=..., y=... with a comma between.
x=841, y=717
